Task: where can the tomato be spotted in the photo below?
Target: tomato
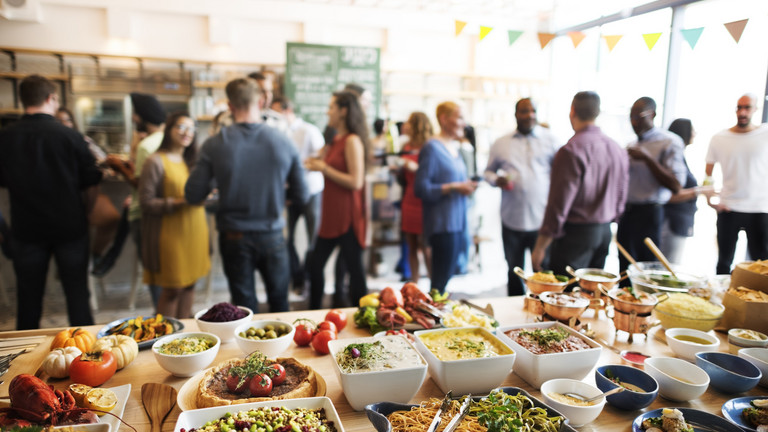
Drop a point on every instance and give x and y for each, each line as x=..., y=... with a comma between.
x=320, y=341
x=401, y=332
x=260, y=385
x=303, y=334
x=93, y=368
x=338, y=317
x=277, y=372
x=328, y=325
x=233, y=384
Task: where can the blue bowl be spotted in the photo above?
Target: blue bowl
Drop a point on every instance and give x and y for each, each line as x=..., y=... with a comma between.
x=728, y=373
x=627, y=400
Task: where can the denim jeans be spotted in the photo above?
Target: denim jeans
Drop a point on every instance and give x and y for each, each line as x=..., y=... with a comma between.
x=515, y=243
x=242, y=253
x=351, y=253
x=729, y=223
x=311, y=213
x=31, y=266
x=445, y=255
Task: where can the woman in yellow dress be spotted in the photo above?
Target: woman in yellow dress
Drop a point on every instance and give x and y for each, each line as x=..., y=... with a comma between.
x=174, y=233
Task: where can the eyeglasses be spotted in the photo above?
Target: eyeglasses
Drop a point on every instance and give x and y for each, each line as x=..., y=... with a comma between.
x=183, y=128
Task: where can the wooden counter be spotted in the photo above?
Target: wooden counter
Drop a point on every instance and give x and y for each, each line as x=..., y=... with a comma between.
x=509, y=311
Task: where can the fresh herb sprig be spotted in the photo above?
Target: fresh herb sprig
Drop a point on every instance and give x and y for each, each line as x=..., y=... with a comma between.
x=546, y=337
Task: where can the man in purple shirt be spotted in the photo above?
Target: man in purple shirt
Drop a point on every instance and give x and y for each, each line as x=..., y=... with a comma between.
x=588, y=190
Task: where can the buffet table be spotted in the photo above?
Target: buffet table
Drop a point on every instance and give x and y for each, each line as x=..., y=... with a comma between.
x=509, y=311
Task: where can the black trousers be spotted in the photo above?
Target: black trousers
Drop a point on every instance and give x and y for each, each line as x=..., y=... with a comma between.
x=515, y=243
x=352, y=254
x=638, y=222
x=729, y=224
x=582, y=246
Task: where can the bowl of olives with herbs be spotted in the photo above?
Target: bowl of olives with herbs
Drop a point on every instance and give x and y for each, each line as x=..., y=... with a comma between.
x=270, y=337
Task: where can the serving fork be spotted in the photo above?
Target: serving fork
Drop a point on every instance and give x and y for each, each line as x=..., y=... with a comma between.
x=5, y=361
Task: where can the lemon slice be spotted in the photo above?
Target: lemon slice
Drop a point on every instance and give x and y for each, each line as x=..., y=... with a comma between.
x=100, y=399
x=78, y=392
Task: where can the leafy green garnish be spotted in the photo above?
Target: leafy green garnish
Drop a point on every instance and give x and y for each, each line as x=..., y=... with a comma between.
x=365, y=317
x=546, y=337
x=501, y=412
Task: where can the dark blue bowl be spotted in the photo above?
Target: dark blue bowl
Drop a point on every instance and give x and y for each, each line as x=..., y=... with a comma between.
x=728, y=373
x=627, y=400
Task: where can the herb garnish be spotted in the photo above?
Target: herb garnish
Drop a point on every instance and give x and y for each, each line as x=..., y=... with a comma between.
x=361, y=356
x=255, y=364
x=546, y=337
x=480, y=349
x=501, y=412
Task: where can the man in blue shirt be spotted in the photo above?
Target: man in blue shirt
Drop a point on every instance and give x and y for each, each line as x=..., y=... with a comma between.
x=252, y=164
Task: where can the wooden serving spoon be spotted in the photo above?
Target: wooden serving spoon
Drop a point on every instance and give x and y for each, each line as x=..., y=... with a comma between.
x=158, y=400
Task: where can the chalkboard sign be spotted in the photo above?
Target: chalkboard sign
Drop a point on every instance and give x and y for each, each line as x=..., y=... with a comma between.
x=313, y=72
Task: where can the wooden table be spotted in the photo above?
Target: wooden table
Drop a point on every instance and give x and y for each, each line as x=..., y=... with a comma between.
x=509, y=311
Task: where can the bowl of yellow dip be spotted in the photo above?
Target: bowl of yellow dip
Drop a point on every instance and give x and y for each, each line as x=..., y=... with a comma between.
x=185, y=354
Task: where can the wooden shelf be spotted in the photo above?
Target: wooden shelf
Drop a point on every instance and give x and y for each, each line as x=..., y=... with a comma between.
x=209, y=84
x=449, y=94
x=22, y=75
x=4, y=111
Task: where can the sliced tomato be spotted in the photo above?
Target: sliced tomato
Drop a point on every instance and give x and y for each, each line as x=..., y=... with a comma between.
x=276, y=371
x=320, y=341
x=93, y=368
x=260, y=385
x=338, y=317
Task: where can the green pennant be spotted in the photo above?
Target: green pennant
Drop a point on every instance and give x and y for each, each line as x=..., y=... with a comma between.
x=513, y=35
x=692, y=35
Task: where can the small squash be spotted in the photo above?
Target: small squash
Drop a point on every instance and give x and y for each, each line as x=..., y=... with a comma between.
x=56, y=363
x=83, y=339
x=124, y=348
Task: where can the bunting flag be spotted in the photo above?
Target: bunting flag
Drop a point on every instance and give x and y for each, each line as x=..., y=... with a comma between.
x=612, y=40
x=736, y=28
x=484, y=31
x=545, y=38
x=513, y=35
x=576, y=38
x=651, y=39
x=460, y=26
x=692, y=36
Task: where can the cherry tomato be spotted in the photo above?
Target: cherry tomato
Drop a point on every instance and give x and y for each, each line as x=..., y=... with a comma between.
x=277, y=372
x=260, y=385
x=338, y=317
x=402, y=332
x=233, y=384
x=93, y=368
x=328, y=325
x=303, y=334
x=320, y=341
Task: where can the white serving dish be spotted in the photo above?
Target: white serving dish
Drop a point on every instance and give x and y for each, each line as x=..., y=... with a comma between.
x=188, y=364
x=272, y=348
x=735, y=342
x=197, y=418
x=392, y=385
x=478, y=376
x=535, y=369
x=577, y=415
x=224, y=330
x=92, y=427
x=759, y=358
x=667, y=371
x=687, y=350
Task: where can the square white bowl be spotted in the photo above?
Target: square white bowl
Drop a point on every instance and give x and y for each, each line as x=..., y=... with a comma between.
x=92, y=427
x=479, y=375
x=535, y=369
x=197, y=418
x=391, y=385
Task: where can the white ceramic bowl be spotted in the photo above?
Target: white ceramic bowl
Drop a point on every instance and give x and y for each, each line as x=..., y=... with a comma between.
x=687, y=350
x=398, y=384
x=269, y=347
x=537, y=368
x=737, y=342
x=759, y=358
x=478, y=375
x=577, y=415
x=186, y=365
x=224, y=330
x=670, y=372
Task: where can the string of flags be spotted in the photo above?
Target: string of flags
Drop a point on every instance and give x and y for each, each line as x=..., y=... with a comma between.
x=691, y=35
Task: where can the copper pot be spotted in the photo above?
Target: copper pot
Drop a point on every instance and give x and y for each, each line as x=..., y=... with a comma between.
x=633, y=322
x=563, y=307
x=537, y=287
x=533, y=304
x=644, y=305
x=590, y=278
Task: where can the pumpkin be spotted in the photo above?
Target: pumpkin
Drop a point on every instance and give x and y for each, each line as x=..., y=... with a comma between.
x=56, y=363
x=78, y=337
x=124, y=348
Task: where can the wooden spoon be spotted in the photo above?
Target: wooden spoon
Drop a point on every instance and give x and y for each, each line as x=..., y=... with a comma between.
x=659, y=255
x=158, y=400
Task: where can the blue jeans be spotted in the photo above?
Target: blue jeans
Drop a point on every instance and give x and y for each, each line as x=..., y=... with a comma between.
x=445, y=255
x=311, y=213
x=352, y=255
x=515, y=244
x=31, y=266
x=242, y=253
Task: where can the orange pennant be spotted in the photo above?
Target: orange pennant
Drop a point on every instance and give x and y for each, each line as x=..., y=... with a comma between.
x=612, y=40
x=576, y=38
x=484, y=31
x=736, y=28
x=545, y=38
x=460, y=26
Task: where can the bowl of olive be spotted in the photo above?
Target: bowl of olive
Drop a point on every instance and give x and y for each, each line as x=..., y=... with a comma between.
x=270, y=337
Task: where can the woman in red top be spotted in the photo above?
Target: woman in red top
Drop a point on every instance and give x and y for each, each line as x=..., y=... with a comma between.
x=343, y=215
x=419, y=129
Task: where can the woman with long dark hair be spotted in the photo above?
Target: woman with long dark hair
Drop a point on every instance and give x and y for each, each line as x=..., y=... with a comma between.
x=343, y=214
x=174, y=233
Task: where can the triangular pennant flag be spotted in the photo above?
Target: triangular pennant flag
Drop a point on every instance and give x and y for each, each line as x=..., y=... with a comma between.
x=513, y=35
x=736, y=28
x=545, y=38
x=651, y=39
x=692, y=35
x=612, y=40
x=484, y=31
x=576, y=38
x=460, y=26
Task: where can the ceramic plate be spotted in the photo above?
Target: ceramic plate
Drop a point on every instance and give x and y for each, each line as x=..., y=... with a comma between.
x=122, y=392
x=177, y=327
x=733, y=408
x=197, y=418
x=700, y=420
x=378, y=412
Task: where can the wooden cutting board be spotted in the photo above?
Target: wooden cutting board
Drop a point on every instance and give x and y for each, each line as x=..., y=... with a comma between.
x=27, y=363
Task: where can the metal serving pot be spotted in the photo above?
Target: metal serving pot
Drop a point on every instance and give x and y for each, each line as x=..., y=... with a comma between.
x=538, y=287
x=563, y=306
x=619, y=298
x=590, y=278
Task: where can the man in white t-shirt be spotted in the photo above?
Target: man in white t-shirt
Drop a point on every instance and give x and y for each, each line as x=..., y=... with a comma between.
x=742, y=152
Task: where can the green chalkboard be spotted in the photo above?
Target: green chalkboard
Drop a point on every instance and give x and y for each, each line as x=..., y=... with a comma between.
x=313, y=72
